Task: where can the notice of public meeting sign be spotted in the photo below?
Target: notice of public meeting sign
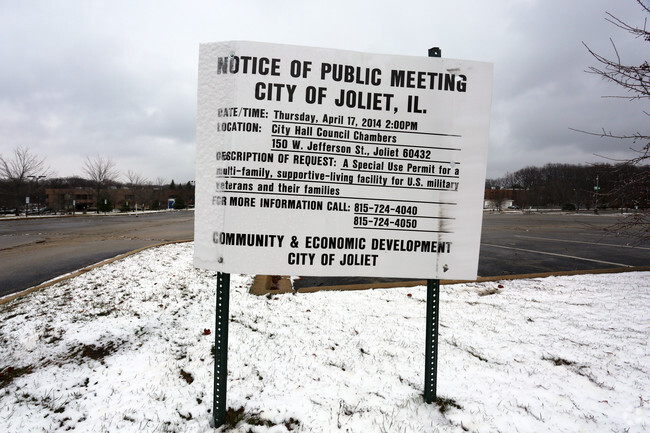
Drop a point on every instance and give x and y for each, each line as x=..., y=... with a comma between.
x=324, y=162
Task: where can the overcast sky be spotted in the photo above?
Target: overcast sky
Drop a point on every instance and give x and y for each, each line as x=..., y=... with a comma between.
x=118, y=78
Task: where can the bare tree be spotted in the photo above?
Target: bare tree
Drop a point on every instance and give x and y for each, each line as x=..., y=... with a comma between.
x=141, y=187
x=19, y=169
x=635, y=81
x=134, y=178
x=101, y=172
x=157, y=196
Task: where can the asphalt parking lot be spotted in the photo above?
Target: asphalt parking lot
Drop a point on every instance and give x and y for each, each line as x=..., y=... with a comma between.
x=34, y=250
x=516, y=242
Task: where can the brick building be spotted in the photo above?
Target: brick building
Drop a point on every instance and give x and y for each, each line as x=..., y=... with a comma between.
x=81, y=199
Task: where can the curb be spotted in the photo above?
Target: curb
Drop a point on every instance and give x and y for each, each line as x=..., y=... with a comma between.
x=263, y=286
x=81, y=271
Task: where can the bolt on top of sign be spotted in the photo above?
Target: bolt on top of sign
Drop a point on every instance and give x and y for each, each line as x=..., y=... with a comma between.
x=314, y=161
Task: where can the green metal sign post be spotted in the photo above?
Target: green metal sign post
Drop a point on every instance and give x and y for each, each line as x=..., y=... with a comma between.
x=433, y=312
x=221, y=350
x=431, y=349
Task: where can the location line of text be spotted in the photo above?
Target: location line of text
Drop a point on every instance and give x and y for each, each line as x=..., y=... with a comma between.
x=401, y=131
x=341, y=140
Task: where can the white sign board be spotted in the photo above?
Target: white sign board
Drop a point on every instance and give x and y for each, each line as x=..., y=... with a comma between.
x=323, y=162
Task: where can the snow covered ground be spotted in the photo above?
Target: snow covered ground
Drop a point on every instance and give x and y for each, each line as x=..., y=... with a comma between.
x=127, y=348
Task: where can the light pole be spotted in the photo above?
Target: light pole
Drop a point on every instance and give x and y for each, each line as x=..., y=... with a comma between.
x=38, y=201
x=596, y=189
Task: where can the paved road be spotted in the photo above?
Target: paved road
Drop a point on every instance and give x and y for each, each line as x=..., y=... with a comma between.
x=518, y=243
x=35, y=250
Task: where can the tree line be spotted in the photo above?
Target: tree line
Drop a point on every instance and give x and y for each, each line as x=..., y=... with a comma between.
x=575, y=187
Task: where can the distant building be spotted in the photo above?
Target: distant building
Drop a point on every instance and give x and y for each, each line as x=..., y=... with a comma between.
x=498, y=199
x=81, y=199
x=63, y=199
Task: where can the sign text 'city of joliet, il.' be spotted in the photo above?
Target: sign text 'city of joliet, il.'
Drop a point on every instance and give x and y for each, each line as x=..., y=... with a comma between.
x=325, y=162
